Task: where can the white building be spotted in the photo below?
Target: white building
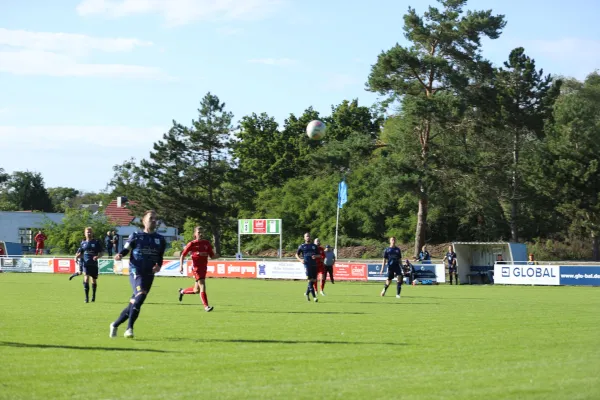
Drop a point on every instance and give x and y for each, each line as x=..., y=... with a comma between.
x=22, y=226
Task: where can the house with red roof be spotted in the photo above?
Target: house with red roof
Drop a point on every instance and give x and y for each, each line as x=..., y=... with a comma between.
x=119, y=214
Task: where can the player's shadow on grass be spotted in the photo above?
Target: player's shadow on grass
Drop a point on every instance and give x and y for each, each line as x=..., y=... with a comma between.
x=278, y=341
x=69, y=347
x=295, y=312
x=387, y=303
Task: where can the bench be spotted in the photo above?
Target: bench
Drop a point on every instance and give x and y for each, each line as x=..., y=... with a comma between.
x=481, y=274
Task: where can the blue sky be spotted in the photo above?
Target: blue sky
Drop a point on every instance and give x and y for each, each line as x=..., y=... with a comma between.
x=86, y=84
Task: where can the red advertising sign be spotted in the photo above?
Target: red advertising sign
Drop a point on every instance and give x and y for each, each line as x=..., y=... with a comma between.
x=350, y=272
x=64, y=266
x=227, y=269
x=259, y=226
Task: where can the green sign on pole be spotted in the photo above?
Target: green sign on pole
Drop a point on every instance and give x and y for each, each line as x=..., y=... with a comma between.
x=263, y=226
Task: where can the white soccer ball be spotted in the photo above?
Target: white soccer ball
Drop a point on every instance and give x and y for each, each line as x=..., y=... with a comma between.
x=315, y=130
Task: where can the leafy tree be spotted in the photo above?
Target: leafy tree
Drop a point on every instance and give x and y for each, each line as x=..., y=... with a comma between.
x=570, y=161
x=65, y=237
x=433, y=79
x=62, y=198
x=27, y=192
x=525, y=99
x=188, y=168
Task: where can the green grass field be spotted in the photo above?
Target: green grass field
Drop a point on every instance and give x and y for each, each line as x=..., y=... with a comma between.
x=264, y=340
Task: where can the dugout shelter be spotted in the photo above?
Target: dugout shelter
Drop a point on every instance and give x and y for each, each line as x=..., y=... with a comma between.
x=475, y=260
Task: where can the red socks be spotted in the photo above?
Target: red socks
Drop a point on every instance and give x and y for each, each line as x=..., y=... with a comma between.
x=204, y=299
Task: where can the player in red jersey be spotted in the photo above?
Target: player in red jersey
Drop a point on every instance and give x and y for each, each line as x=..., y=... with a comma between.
x=200, y=249
x=40, y=238
x=320, y=267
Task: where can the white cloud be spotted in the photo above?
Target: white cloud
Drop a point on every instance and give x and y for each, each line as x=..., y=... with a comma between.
x=340, y=81
x=61, y=54
x=66, y=42
x=77, y=138
x=273, y=61
x=51, y=64
x=181, y=12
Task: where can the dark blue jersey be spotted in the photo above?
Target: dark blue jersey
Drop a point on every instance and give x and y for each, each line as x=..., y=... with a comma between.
x=107, y=241
x=147, y=250
x=451, y=257
x=90, y=249
x=424, y=256
x=393, y=255
x=307, y=250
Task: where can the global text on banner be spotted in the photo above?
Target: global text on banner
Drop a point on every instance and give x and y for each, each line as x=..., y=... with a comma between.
x=511, y=274
x=350, y=272
x=580, y=275
x=280, y=270
x=64, y=266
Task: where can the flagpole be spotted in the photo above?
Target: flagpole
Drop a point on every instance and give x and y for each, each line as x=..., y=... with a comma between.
x=337, y=221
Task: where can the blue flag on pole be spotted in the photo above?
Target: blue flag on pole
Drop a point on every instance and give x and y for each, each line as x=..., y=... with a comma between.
x=342, y=194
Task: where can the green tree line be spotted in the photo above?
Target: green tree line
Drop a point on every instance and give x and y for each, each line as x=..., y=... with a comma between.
x=459, y=149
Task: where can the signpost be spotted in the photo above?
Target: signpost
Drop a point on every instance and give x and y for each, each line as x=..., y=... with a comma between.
x=260, y=227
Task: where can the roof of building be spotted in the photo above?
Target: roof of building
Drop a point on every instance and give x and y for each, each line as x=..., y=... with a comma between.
x=120, y=216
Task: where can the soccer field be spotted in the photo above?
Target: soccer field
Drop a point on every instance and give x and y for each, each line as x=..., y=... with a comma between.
x=264, y=340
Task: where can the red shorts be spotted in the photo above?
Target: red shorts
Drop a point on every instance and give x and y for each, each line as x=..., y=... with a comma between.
x=320, y=269
x=39, y=246
x=199, y=273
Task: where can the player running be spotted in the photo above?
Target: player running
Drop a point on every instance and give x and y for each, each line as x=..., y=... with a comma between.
x=392, y=256
x=200, y=250
x=320, y=267
x=310, y=253
x=147, y=252
x=89, y=251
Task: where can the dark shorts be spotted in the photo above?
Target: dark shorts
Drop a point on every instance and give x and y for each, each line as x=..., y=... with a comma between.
x=310, y=271
x=141, y=283
x=329, y=269
x=452, y=269
x=394, y=272
x=91, y=270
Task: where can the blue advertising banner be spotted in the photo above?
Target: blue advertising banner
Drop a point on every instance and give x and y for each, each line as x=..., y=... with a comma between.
x=579, y=275
x=373, y=272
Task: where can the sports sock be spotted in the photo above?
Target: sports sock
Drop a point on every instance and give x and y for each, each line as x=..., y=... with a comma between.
x=189, y=290
x=312, y=290
x=309, y=287
x=94, y=287
x=323, y=284
x=204, y=299
x=398, y=288
x=124, y=315
x=314, y=286
x=86, y=289
x=385, y=287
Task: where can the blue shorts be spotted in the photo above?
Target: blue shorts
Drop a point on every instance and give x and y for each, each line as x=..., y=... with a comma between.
x=452, y=269
x=394, y=271
x=310, y=271
x=141, y=283
x=91, y=270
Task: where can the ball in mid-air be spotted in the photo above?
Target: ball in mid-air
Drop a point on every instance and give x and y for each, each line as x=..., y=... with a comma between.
x=315, y=130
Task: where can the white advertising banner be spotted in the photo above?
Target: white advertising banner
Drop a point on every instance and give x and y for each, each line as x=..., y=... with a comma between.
x=44, y=265
x=280, y=270
x=171, y=268
x=510, y=274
